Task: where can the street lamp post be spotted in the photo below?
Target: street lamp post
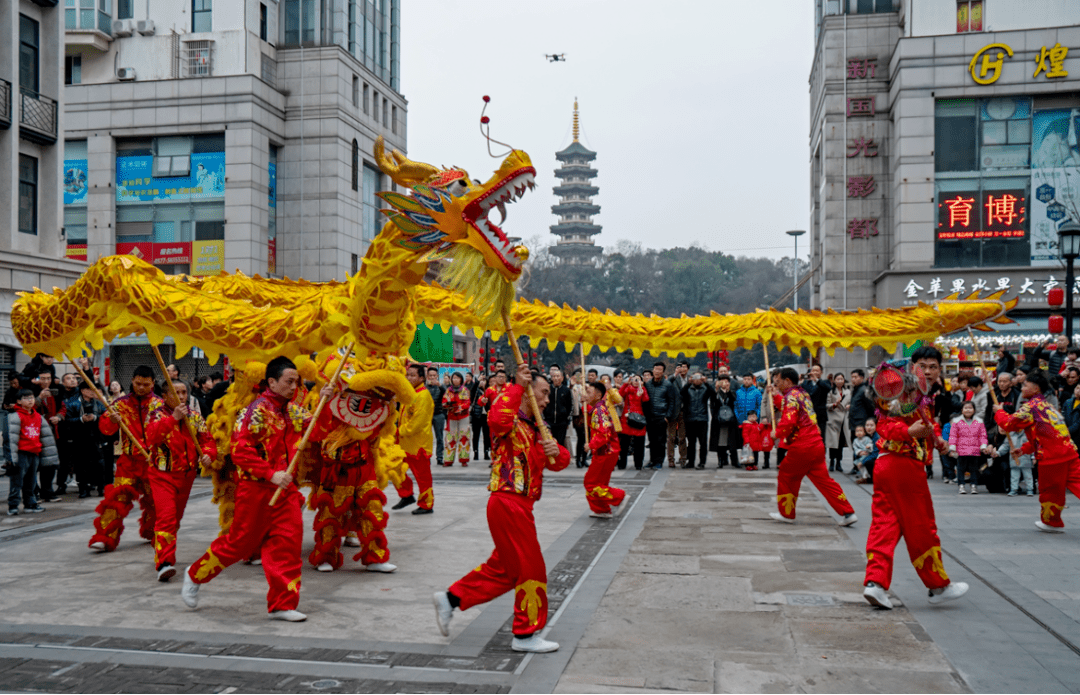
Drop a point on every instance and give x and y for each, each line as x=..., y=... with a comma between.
x=1069, y=236
x=796, y=233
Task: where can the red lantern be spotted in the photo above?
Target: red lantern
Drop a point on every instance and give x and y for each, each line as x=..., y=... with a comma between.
x=1056, y=297
x=709, y=363
x=1057, y=324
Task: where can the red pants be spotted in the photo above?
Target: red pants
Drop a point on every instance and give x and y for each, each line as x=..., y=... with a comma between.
x=346, y=508
x=903, y=508
x=129, y=484
x=1054, y=479
x=278, y=530
x=170, y=493
x=808, y=463
x=420, y=465
x=516, y=563
x=602, y=497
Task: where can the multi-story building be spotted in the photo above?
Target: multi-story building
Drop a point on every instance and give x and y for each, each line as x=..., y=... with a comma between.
x=210, y=136
x=31, y=159
x=944, y=152
x=575, y=208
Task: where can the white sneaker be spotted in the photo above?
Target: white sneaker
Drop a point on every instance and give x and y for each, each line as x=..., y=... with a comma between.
x=534, y=644
x=1047, y=528
x=950, y=593
x=325, y=567
x=974, y=489
x=780, y=517
x=352, y=542
x=97, y=547
x=963, y=489
x=257, y=561
x=190, y=591
x=384, y=567
x=166, y=573
x=289, y=616
x=444, y=612
x=876, y=596
x=600, y=515
x=849, y=519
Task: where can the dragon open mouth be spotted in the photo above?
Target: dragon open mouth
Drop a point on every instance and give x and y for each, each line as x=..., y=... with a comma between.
x=507, y=191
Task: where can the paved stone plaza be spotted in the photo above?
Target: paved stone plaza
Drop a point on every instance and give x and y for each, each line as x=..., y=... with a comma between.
x=692, y=589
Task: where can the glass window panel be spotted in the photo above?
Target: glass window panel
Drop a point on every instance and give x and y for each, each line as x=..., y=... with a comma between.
x=164, y=232
x=864, y=6
x=994, y=133
x=954, y=143
x=1019, y=132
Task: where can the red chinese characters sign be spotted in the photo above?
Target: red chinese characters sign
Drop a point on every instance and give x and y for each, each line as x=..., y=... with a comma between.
x=157, y=254
x=987, y=215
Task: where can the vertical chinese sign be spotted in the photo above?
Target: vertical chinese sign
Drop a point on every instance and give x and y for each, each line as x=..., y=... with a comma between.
x=862, y=149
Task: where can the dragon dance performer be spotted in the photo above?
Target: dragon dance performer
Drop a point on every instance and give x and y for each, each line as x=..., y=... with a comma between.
x=263, y=443
x=517, y=563
x=137, y=410
x=172, y=472
x=604, y=446
x=798, y=432
x=457, y=404
x=1048, y=438
x=416, y=438
x=346, y=496
x=902, y=506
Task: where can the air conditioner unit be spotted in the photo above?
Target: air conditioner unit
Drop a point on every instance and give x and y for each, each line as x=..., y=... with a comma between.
x=146, y=27
x=122, y=27
x=125, y=73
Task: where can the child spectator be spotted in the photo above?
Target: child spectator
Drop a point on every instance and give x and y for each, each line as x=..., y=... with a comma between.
x=967, y=437
x=758, y=436
x=1021, y=463
x=948, y=461
x=862, y=448
x=867, y=464
x=34, y=442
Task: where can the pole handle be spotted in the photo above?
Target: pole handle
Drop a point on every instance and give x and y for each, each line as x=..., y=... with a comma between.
x=768, y=382
x=291, y=470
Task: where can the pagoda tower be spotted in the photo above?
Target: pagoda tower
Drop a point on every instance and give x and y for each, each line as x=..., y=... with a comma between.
x=575, y=207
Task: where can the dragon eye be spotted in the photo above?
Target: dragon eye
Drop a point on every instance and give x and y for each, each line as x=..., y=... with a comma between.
x=457, y=188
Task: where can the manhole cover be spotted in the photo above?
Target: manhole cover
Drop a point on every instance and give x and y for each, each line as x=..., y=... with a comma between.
x=697, y=515
x=325, y=684
x=809, y=600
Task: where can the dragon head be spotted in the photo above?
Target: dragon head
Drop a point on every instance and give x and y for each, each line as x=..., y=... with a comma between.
x=446, y=207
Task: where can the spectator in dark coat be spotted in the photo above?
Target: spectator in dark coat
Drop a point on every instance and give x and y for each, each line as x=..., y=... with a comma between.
x=1006, y=360
x=1071, y=411
x=31, y=372
x=697, y=396
x=664, y=398
x=81, y=415
x=818, y=390
x=725, y=438
x=1054, y=352
x=861, y=406
x=560, y=405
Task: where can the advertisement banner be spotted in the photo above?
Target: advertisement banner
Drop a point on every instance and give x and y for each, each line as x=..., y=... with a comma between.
x=171, y=253
x=1055, y=180
x=139, y=249
x=75, y=181
x=135, y=179
x=208, y=257
x=76, y=252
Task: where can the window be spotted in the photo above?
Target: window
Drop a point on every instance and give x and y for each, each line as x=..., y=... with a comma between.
x=299, y=22
x=199, y=58
x=969, y=16
x=356, y=91
x=385, y=112
x=262, y=21
x=393, y=119
x=374, y=104
x=201, y=11
x=72, y=69
x=352, y=27
x=172, y=157
x=355, y=265
x=28, y=54
x=366, y=90
x=355, y=165
x=370, y=205
x=125, y=9
x=28, y=182
x=269, y=70
x=955, y=135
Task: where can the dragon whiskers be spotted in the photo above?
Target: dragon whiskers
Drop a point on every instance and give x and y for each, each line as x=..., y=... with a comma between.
x=487, y=293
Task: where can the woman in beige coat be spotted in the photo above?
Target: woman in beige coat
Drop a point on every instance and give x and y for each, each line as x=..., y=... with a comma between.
x=837, y=406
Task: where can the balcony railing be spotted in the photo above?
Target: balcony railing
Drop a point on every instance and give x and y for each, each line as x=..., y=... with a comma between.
x=5, y=104
x=37, y=117
x=88, y=19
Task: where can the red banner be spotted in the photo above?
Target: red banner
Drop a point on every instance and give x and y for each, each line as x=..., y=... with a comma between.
x=172, y=253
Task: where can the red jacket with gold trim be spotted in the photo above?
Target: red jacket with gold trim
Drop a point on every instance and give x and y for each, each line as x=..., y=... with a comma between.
x=266, y=436
x=137, y=413
x=797, y=429
x=518, y=460
x=603, y=439
x=173, y=449
x=1045, y=430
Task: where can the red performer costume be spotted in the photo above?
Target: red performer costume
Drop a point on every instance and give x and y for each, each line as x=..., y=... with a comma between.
x=130, y=481
x=416, y=438
x=176, y=462
x=604, y=445
x=1059, y=466
x=263, y=442
x=457, y=404
x=517, y=563
x=347, y=498
x=798, y=432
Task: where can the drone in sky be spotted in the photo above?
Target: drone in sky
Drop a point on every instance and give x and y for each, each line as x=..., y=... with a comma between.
x=555, y=57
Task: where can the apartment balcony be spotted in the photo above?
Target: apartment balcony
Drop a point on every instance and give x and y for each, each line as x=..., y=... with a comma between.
x=5, y=104
x=86, y=30
x=37, y=117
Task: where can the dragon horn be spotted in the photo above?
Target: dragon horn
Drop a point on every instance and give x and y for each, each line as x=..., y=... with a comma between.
x=400, y=168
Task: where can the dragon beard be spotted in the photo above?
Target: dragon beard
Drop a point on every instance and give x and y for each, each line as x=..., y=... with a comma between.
x=486, y=291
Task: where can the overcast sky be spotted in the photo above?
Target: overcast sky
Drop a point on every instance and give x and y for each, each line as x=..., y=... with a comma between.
x=698, y=110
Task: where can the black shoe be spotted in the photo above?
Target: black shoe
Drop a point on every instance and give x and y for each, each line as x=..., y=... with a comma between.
x=421, y=510
x=404, y=502
x=688, y=465
x=765, y=467
x=101, y=492
x=83, y=494
x=61, y=490
x=701, y=466
x=476, y=456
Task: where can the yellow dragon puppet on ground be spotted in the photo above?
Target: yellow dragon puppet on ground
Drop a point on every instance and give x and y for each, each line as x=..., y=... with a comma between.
x=443, y=216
